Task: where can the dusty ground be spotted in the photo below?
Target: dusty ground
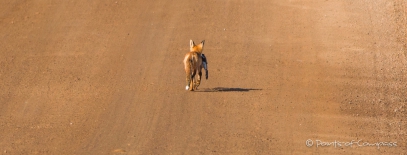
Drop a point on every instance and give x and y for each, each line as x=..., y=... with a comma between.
x=106, y=77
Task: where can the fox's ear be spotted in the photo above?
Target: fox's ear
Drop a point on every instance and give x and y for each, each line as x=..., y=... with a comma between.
x=202, y=44
x=191, y=43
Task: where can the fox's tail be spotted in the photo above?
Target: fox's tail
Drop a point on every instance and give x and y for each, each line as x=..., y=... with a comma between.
x=188, y=62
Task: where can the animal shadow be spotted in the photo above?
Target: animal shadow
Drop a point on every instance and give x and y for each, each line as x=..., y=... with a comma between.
x=225, y=89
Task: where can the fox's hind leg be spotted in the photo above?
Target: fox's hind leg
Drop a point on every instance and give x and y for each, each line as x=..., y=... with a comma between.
x=192, y=85
x=198, y=79
x=192, y=82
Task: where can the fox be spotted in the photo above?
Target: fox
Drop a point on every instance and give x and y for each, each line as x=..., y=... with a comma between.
x=193, y=64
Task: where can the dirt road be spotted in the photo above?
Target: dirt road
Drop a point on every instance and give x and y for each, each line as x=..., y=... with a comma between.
x=106, y=77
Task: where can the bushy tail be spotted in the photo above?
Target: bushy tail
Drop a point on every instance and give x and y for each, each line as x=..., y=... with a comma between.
x=188, y=62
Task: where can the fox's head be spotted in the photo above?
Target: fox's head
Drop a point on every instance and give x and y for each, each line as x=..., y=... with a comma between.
x=196, y=48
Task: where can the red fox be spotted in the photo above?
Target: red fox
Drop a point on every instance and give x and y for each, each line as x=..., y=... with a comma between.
x=193, y=65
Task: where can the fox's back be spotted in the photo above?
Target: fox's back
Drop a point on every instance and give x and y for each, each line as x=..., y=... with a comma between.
x=194, y=58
